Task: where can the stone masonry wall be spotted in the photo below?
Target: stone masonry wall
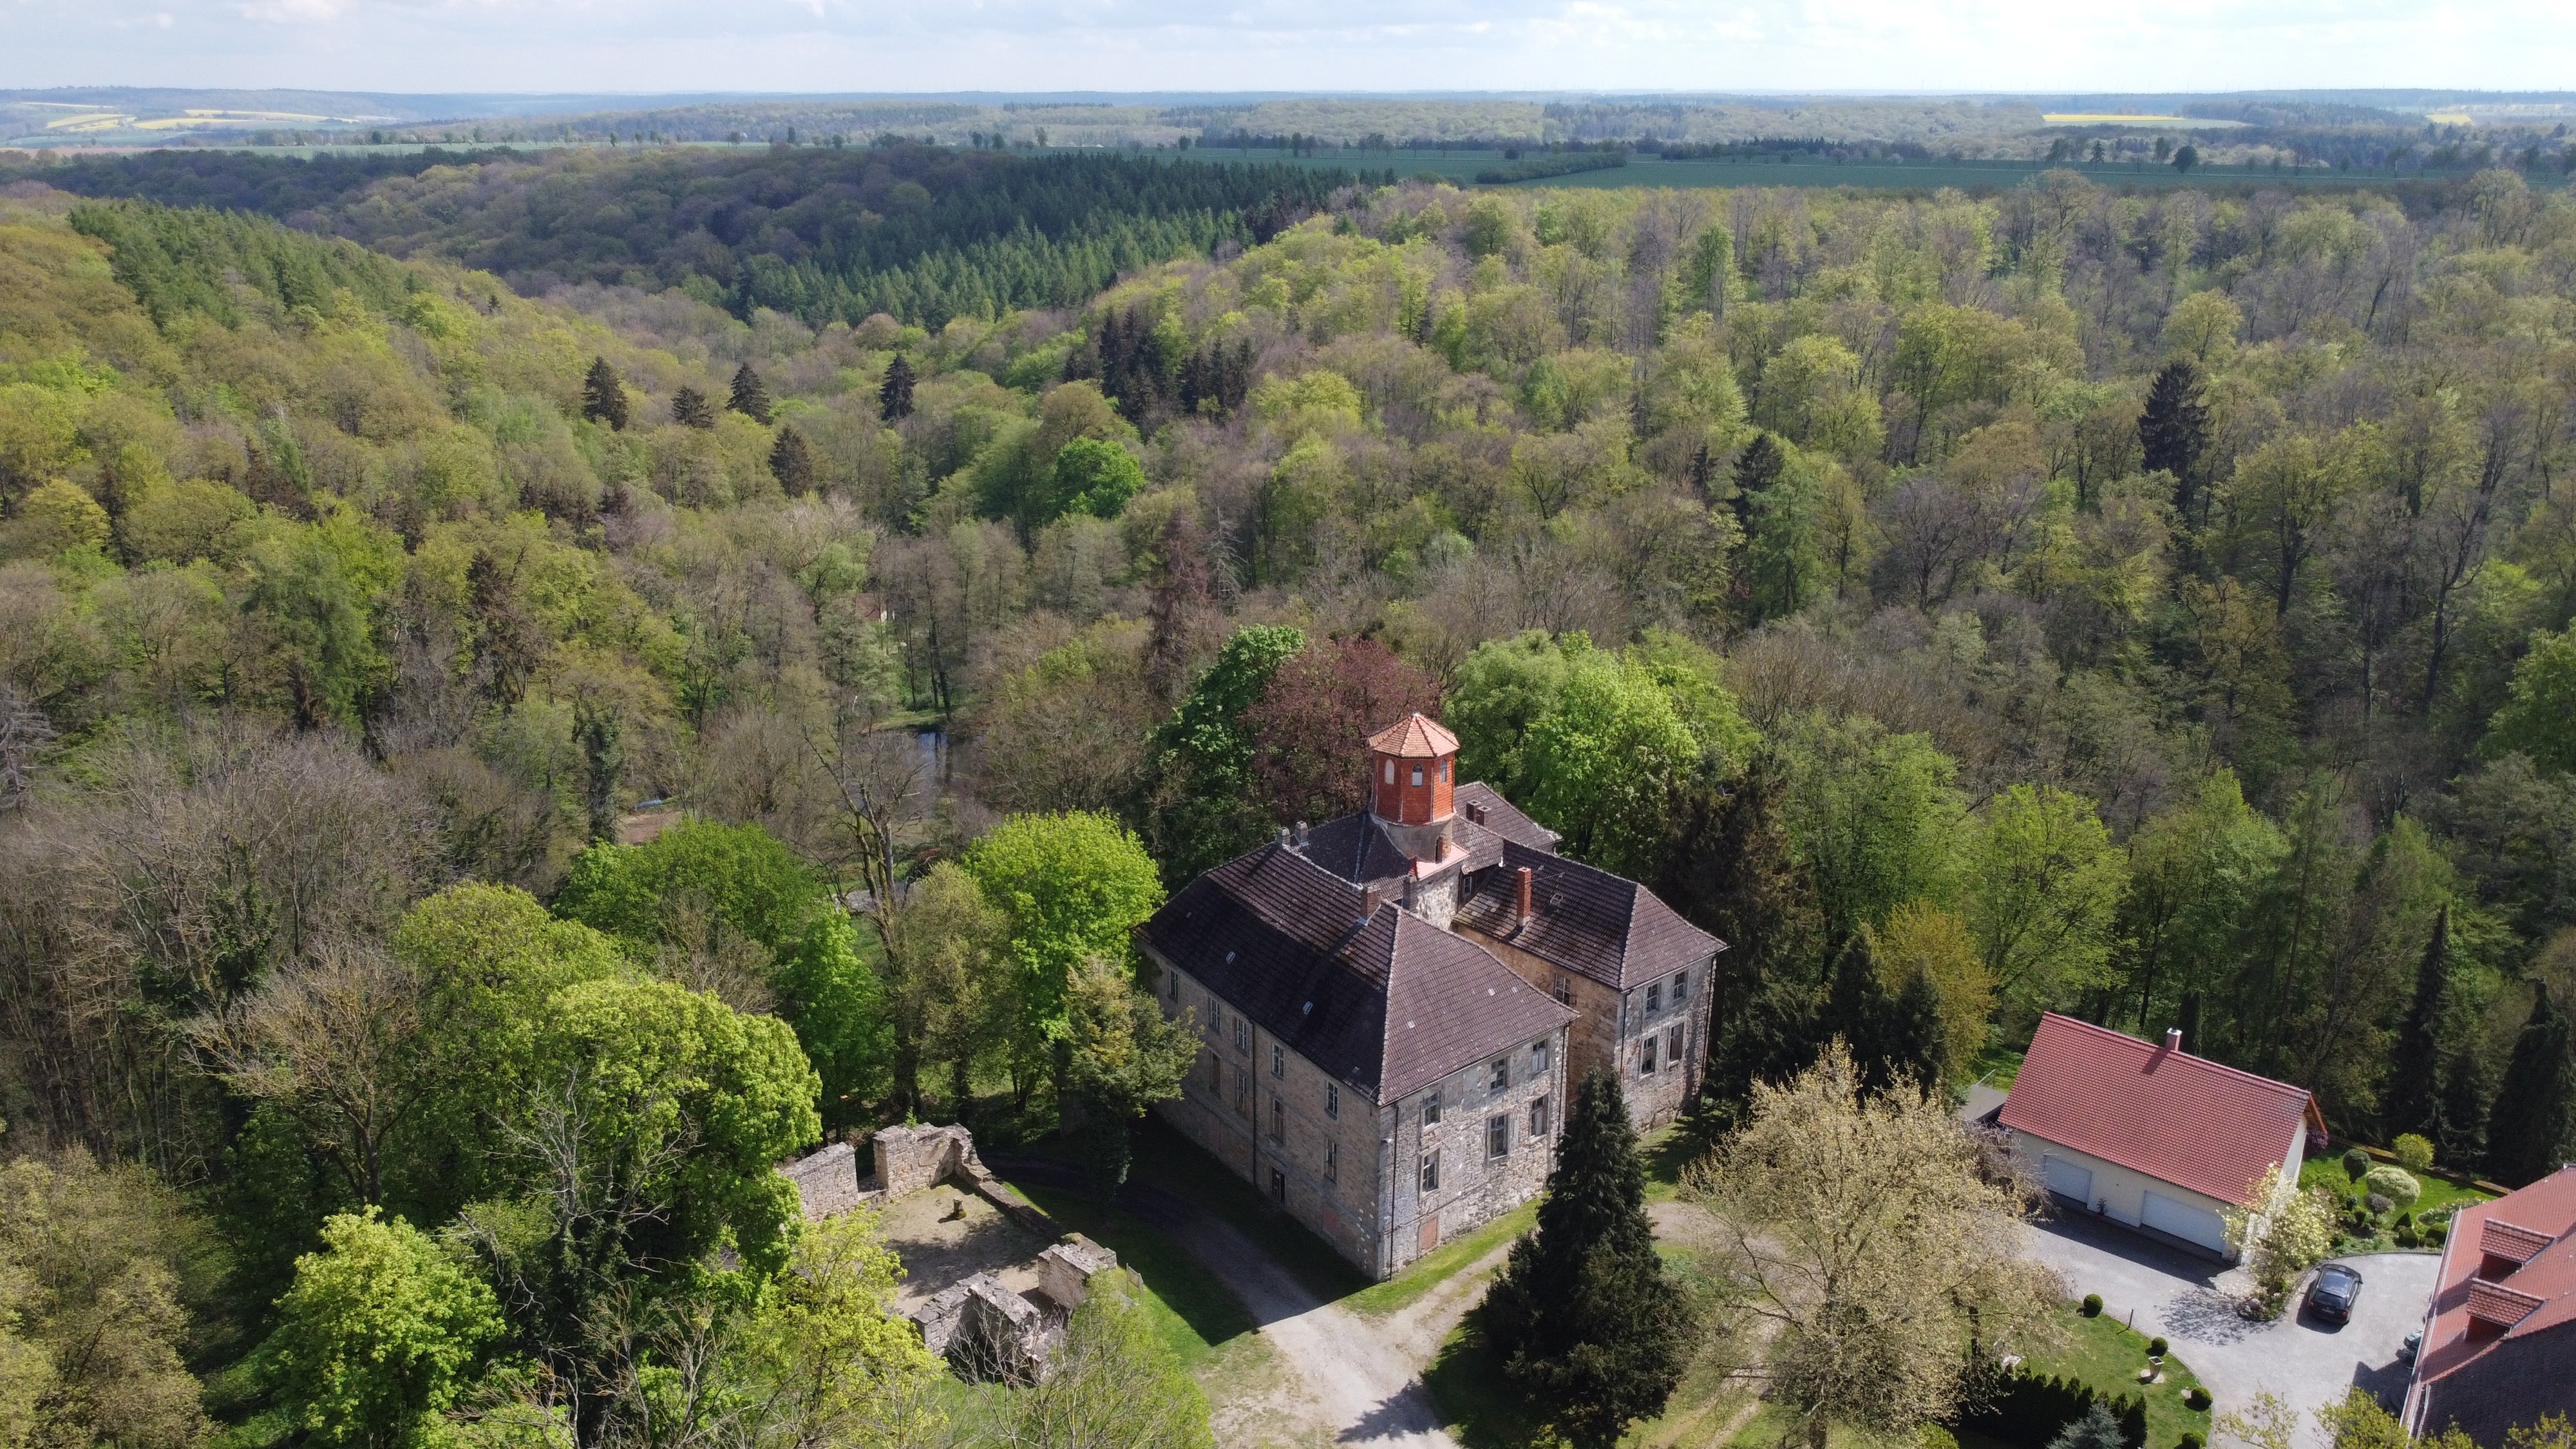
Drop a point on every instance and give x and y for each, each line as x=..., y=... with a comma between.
x=912, y=1158
x=1609, y=1033
x=1474, y=1187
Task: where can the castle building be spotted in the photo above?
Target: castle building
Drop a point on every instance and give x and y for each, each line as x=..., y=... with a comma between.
x=1394, y=1004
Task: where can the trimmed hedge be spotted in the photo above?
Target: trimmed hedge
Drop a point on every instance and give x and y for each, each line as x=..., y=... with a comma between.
x=2029, y=1410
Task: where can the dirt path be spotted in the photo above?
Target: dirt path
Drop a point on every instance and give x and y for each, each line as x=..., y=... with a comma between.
x=1362, y=1385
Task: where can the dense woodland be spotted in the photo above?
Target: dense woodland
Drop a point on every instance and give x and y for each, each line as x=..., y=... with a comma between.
x=2153, y=607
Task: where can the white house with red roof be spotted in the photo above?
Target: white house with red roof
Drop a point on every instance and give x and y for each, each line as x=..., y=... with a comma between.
x=2150, y=1136
x=2499, y=1347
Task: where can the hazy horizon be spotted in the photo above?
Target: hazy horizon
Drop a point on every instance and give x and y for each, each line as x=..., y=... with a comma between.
x=1407, y=47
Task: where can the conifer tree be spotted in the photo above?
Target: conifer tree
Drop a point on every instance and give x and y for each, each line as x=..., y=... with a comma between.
x=2173, y=431
x=603, y=394
x=791, y=462
x=894, y=395
x=750, y=395
x=1757, y=468
x=1893, y=1036
x=689, y=409
x=2533, y=1128
x=2414, y=1096
x=1590, y=1327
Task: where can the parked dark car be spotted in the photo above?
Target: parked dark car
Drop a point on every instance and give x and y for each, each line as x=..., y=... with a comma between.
x=2333, y=1294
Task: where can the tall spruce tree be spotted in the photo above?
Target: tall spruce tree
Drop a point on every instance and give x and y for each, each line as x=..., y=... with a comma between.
x=1757, y=469
x=750, y=396
x=2173, y=431
x=791, y=462
x=1893, y=1036
x=1589, y=1326
x=2532, y=1130
x=689, y=409
x=603, y=394
x=894, y=395
x=2414, y=1095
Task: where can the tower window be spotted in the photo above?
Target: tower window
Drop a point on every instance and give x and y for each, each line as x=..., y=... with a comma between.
x=1417, y=776
x=1390, y=772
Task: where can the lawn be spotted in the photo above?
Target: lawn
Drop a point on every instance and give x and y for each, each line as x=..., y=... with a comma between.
x=1192, y=1312
x=2441, y=1196
x=1998, y=1066
x=2105, y=1354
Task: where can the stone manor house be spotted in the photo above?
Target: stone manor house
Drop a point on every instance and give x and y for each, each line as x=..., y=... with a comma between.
x=1395, y=1004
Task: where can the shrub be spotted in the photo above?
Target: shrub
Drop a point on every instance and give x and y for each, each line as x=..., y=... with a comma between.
x=2092, y=1305
x=2356, y=1164
x=2378, y=1205
x=2195, y=1399
x=2191, y=1437
x=2395, y=1184
x=2413, y=1152
x=2156, y=1348
x=2031, y=1409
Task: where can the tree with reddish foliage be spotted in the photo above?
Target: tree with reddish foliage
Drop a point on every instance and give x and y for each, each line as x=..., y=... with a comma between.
x=1310, y=729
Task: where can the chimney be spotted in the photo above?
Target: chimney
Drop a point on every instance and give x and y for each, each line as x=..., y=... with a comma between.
x=2173, y=1038
x=1301, y=835
x=1521, y=914
x=1283, y=837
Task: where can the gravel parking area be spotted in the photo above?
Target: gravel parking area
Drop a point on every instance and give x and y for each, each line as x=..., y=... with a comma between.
x=2192, y=1301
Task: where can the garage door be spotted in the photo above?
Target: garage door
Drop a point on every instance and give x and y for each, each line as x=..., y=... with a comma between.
x=2072, y=1180
x=2184, y=1221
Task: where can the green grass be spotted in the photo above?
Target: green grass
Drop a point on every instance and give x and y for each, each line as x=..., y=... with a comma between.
x=1441, y=1264
x=1998, y=1066
x=2441, y=1194
x=1479, y=1405
x=2103, y=1353
x=1192, y=1312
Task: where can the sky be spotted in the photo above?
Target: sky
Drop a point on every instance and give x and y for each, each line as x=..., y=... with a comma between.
x=917, y=46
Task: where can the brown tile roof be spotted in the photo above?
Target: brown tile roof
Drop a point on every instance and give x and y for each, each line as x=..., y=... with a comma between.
x=2511, y=1243
x=1586, y=920
x=1382, y=1000
x=1416, y=736
x=2171, y=1115
x=1483, y=805
x=2499, y=1305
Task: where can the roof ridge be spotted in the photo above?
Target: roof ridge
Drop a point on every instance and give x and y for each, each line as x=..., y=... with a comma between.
x=2274, y=1083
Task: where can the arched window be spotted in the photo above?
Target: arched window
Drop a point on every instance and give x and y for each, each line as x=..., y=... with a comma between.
x=1390, y=772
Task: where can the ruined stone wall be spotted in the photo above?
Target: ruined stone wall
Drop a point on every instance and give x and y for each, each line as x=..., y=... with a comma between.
x=827, y=1181
x=909, y=1159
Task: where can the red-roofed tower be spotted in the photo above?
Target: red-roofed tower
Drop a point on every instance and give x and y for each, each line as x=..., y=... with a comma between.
x=1413, y=767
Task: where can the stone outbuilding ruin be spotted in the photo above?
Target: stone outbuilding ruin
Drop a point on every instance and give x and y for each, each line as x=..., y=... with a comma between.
x=985, y=1328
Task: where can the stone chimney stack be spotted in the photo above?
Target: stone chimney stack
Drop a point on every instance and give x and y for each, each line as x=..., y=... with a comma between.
x=1521, y=910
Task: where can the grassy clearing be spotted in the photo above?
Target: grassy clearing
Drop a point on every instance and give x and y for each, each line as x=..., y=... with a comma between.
x=2441, y=1194
x=2106, y=1355
x=1193, y=1313
x=1999, y=1066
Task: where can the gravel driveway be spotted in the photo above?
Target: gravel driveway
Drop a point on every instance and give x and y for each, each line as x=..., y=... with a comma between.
x=2192, y=1301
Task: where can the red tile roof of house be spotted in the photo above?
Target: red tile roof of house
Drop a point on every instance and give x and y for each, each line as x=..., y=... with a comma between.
x=2493, y=1381
x=2176, y=1117
x=1416, y=736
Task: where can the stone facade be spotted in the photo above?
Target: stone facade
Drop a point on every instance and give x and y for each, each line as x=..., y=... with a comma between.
x=1348, y=1168
x=827, y=1181
x=912, y=1158
x=1611, y=1029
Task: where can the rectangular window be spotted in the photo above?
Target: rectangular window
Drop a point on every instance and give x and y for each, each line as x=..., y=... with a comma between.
x=1654, y=997
x=1431, y=1108
x=1242, y=1035
x=1564, y=992
x=1538, y=1119
x=1332, y=1162
x=1673, y=1046
x=1242, y=1092
x=1498, y=1136
x=1431, y=1170
x=1417, y=777
x=1172, y=985
x=1498, y=1077
x=1216, y=1072
x=1538, y=1059
x=1681, y=988
x=1278, y=1187
x=1333, y=1100
x=1278, y=1060
x=1646, y=1056
x=1278, y=1120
